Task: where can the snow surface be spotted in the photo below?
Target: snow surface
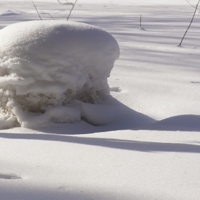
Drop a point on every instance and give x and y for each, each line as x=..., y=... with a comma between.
x=151, y=149
x=132, y=2
x=50, y=67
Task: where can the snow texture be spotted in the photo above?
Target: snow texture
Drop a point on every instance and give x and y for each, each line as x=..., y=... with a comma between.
x=135, y=157
x=49, y=68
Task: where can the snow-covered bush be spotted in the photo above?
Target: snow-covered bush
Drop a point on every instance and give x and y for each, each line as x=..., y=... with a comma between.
x=48, y=68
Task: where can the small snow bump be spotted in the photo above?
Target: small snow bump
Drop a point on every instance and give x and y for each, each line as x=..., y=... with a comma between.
x=9, y=176
x=115, y=89
x=8, y=13
x=195, y=82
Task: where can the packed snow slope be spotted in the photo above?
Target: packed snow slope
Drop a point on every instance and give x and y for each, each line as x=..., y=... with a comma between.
x=151, y=149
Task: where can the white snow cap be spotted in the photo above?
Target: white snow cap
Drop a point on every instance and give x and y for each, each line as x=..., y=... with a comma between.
x=46, y=66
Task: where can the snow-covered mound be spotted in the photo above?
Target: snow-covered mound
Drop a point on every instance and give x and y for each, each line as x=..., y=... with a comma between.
x=8, y=13
x=48, y=68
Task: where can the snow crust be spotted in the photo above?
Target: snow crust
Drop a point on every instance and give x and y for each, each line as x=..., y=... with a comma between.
x=48, y=68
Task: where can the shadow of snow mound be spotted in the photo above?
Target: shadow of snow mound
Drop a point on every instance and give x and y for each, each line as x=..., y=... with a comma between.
x=177, y=123
x=126, y=118
x=119, y=116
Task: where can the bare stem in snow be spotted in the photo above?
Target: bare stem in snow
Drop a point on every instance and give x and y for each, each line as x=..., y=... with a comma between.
x=59, y=2
x=71, y=10
x=141, y=28
x=36, y=10
x=190, y=23
x=50, y=16
x=190, y=4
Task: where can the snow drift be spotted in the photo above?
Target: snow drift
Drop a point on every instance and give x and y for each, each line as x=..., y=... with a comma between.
x=49, y=70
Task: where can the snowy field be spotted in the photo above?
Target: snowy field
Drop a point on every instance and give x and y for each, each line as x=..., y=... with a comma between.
x=150, y=149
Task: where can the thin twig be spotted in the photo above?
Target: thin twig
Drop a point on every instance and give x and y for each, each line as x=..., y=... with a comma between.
x=68, y=3
x=59, y=2
x=190, y=4
x=36, y=10
x=190, y=23
x=50, y=16
x=71, y=10
x=140, y=21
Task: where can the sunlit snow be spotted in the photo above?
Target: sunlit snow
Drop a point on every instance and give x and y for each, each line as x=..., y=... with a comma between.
x=139, y=139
